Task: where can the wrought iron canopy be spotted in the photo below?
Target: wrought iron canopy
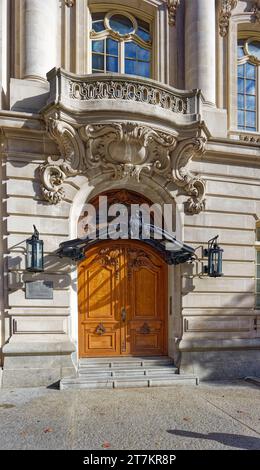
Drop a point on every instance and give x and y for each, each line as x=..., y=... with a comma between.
x=173, y=251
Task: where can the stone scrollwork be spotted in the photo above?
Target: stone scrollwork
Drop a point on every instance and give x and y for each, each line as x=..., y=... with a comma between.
x=116, y=89
x=226, y=7
x=128, y=149
x=193, y=185
x=55, y=171
x=123, y=150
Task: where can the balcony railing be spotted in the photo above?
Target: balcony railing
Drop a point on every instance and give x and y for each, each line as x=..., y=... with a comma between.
x=78, y=91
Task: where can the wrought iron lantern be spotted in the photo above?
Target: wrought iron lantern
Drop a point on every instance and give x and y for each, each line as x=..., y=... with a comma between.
x=34, y=253
x=214, y=254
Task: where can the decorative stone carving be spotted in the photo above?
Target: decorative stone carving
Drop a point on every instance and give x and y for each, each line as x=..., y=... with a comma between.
x=129, y=91
x=226, y=7
x=55, y=170
x=70, y=3
x=127, y=149
x=172, y=11
x=249, y=138
x=123, y=150
x=256, y=11
x=193, y=185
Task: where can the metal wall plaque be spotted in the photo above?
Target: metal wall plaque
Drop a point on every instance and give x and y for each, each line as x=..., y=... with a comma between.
x=39, y=290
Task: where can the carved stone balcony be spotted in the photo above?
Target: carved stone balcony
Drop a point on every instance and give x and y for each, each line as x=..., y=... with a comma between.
x=123, y=95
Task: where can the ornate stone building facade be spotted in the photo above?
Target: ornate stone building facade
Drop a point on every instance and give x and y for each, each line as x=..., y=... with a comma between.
x=151, y=99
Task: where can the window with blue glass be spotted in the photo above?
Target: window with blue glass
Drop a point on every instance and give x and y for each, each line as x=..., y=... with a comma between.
x=121, y=43
x=248, y=52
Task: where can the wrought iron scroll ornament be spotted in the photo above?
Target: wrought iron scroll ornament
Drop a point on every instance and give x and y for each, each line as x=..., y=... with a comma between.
x=124, y=151
x=226, y=7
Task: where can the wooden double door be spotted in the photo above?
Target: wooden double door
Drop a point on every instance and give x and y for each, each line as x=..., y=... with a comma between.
x=122, y=296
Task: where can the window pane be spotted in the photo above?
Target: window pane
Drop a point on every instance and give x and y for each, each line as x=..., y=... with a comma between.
x=250, y=87
x=254, y=48
x=250, y=119
x=258, y=239
x=240, y=85
x=130, y=67
x=145, y=35
x=240, y=101
x=98, y=62
x=143, y=54
x=250, y=103
x=112, y=47
x=241, y=118
x=258, y=301
x=250, y=70
x=258, y=254
x=240, y=70
x=143, y=69
x=98, y=26
x=121, y=24
x=240, y=51
x=258, y=286
x=98, y=46
x=130, y=49
x=112, y=64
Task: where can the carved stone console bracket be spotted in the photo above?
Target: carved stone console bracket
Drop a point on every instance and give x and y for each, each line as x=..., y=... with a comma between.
x=226, y=7
x=123, y=150
x=55, y=170
x=172, y=11
x=193, y=185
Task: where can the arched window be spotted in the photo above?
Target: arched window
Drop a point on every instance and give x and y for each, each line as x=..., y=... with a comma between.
x=121, y=43
x=248, y=52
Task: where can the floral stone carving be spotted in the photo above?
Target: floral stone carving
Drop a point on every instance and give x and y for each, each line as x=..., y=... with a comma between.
x=226, y=8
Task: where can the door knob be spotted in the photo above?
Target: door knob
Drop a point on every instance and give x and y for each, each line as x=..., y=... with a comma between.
x=123, y=314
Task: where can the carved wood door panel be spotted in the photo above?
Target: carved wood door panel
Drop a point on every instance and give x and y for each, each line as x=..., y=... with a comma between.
x=122, y=301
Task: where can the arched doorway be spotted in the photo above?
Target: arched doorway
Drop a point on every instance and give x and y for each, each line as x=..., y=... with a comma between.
x=122, y=298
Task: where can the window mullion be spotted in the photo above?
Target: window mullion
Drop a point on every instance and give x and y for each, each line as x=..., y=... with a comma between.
x=121, y=57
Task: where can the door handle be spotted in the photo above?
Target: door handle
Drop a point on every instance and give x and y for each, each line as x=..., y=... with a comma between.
x=123, y=314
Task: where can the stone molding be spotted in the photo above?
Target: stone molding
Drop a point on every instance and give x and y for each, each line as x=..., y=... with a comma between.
x=172, y=11
x=126, y=150
x=226, y=7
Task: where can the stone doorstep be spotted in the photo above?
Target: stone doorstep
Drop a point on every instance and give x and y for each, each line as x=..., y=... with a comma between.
x=165, y=381
x=133, y=371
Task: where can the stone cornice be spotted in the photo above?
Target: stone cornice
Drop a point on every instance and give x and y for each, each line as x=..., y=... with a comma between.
x=225, y=11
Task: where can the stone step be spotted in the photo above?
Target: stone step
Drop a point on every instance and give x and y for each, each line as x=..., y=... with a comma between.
x=163, y=381
x=108, y=363
x=127, y=372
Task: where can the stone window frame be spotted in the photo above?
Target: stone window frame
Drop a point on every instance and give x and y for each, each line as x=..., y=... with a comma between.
x=241, y=27
x=154, y=12
x=244, y=35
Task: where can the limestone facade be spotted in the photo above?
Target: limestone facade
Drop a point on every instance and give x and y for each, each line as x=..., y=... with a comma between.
x=52, y=108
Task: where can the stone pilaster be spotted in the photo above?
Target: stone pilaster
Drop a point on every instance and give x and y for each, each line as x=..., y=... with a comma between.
x=40, y=38
x=200, y=62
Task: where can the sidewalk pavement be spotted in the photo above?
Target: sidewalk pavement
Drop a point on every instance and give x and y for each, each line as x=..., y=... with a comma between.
x=215, y=415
